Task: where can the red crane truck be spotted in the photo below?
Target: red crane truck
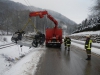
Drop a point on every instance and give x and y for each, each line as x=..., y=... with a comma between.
x=53, y=35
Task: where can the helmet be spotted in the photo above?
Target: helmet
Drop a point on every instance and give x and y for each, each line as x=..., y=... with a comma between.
x=67, y=36
x=88, y=36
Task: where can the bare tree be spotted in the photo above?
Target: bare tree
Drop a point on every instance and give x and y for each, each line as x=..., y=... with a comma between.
x=96, y=9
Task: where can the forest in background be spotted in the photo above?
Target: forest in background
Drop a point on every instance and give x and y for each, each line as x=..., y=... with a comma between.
x=13, y=16
x=92, y=22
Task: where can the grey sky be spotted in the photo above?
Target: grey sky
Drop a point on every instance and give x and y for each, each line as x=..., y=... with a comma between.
x=76, y=10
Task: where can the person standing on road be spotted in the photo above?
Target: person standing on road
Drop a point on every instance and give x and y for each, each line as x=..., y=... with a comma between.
x=67, y=43
x=88, y=44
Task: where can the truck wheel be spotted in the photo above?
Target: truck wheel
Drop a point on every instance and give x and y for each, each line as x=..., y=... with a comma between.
x=59, y=45
x=47, y=45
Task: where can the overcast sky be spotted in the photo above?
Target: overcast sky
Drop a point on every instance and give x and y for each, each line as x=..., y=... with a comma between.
x=76, y=10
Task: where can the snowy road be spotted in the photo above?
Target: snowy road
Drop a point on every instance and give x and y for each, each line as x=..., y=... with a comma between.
x=62, y=62
x=52, y=61
x=43, y=61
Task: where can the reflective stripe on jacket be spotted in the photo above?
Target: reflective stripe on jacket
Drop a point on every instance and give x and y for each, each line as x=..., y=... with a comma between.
x=88, y=44
x=67, y=41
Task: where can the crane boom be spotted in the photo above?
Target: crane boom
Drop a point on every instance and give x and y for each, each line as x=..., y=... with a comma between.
x=41, y=15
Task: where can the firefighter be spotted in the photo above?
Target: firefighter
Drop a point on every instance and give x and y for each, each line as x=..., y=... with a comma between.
x=88, y=44
x=67, y=43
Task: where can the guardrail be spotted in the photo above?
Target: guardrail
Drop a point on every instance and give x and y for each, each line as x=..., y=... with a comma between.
x=95, y=38
x=83, y=42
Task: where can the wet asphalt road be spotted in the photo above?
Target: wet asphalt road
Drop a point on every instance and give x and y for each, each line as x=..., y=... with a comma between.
x=62, y=62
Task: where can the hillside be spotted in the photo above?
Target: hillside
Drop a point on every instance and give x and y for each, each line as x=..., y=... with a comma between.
x=15, y=15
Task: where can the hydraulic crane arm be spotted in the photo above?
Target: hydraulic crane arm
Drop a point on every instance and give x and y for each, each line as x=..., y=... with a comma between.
x=38, y=13
x=52, y=19
x=41, y=15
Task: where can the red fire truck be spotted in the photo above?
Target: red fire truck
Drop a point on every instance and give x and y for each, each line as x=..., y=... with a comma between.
x=53, y=35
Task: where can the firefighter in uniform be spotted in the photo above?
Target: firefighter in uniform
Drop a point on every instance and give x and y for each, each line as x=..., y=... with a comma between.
x=88, y=44
x=67, y=43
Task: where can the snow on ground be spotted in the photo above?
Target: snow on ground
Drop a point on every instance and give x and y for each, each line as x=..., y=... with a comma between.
x=93, y=49
x=5, y=39
x=88, y=32
x=16, y=60
x=23, y=61
x=27, y=65
x=94, y=44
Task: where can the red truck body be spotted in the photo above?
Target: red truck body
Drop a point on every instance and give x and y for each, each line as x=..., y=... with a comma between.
x=53, y=37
